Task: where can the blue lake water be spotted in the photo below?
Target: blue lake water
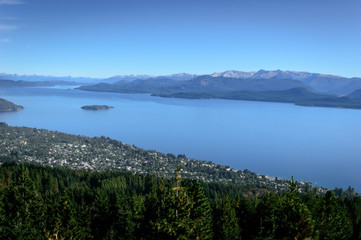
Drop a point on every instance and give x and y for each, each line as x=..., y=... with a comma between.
x=321, y=145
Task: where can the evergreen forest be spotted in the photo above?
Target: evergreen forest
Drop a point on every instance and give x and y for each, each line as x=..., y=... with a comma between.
x=50, y=202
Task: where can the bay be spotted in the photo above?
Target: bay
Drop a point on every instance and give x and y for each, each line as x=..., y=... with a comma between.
x=321, y=145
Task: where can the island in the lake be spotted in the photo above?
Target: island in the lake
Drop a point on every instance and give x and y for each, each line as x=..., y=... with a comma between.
x=96, y=107
x=6, y=106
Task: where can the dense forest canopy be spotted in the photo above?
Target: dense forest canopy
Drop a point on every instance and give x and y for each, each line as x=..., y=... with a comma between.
x=38, y=202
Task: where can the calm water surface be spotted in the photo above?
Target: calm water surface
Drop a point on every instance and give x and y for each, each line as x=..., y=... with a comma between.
x=322, y=145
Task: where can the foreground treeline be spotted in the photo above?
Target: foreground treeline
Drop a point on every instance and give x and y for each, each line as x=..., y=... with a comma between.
x=55, y=203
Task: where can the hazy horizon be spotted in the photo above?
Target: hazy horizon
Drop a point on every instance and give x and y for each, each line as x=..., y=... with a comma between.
x=175, y=73
x=105, y=38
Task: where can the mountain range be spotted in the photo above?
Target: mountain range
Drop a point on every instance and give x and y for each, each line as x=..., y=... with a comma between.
x=41, y=78
x=321, y=83
x=176, y=77
x=22, y=83
x=199, y=84
x=301, y=88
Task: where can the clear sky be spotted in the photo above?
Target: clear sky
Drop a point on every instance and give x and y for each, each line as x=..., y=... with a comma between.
x=102, y=38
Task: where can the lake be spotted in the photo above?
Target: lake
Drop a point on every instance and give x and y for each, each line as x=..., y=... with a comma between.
x=321, y=145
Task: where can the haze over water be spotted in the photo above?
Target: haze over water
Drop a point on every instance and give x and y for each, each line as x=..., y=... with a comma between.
x=321, y=145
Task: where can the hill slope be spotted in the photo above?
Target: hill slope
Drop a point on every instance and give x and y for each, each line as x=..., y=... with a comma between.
x=355, y=95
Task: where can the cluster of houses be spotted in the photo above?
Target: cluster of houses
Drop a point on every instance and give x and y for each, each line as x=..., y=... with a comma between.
x=76, y=152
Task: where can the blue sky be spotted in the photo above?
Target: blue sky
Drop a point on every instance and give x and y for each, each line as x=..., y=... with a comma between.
x=102, y=38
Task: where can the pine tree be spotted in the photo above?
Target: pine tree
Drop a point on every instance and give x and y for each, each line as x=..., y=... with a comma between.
x=65, y=225
x=266, y=212
x=354, y=206
x=248, y=218
x=178, y=212
x=155, y=210
x=129, y=216
x=225, y=220
x=102, y=219
x=294, y=220
x=201, y=213
x=176, y=221
x=22, y=210
x=332, y=220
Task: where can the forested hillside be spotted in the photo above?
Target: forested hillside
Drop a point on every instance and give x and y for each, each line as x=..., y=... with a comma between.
x=38, y=202
x=298, y=96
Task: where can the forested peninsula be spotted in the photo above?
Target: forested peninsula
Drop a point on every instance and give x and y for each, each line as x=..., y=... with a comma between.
x=6, y=106
x=297, y=96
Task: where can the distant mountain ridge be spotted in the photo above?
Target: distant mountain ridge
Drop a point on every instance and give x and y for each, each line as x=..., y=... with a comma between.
x=322, y=83
x=198, y=84
x=131, y=77
x=40, y=78
x=319, y=82
x=176, y=77
x=21, y=83
x=268, y=86
x=264, y=74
